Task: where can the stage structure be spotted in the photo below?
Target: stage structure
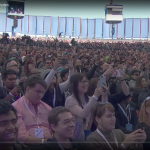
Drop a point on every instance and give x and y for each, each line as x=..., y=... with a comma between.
x=15, y=11
x=113, y=15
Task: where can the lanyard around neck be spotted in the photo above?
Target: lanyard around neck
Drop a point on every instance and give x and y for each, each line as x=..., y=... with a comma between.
x=54, y=98
x=127, y=116
x=107, y=140
x=30, y=111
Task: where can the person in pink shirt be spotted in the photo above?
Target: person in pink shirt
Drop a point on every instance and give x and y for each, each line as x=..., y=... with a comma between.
x=33, y=113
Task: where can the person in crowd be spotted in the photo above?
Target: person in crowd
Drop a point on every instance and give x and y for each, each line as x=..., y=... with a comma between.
x=125, y=110
x=54, y=95
x=33, y=126
x=106, y=136
x=80, y=104
x=2, y=59
x=141, y=86
x=12, y=64
x=8, y=128
x=126, y=116
x=28, y=67
x=62, y=124
x=38, y=59
x=144, y=121
x=47, y=65
x=10, y=91
x=78, y=65
x=117, y=100
x=133, y=77
x=63, y=75
x=35, y=71
x=143, y=95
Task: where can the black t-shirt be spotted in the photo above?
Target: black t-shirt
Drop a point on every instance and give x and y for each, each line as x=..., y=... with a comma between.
x=114, y=99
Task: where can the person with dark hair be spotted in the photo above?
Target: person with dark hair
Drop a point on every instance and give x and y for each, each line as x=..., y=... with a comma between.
x=143, y=95
x=28, y=67
x=14, y=64
x=141, y=86
x=2, y=58
x=8, y=128
x=80, y=104
x=133, y=77
x=47, y=64
x=54, y=95
x=62, y=124
x=10, y=91
x=32, y=112
x=106, y=136
x=63, y=75
x=84, y=71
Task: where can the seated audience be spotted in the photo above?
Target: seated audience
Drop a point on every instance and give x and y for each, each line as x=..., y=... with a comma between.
x=8, y=128
x=80, y=104
x=62, y=124
x=33, y=126
x=106, y=136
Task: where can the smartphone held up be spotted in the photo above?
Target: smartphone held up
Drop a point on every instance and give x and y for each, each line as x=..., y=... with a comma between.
x=102, y=81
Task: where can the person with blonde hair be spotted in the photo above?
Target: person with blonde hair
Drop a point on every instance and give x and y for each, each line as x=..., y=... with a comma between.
x=144, y=121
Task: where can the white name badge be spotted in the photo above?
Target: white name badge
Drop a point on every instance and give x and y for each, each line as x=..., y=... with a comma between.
x=38, y=132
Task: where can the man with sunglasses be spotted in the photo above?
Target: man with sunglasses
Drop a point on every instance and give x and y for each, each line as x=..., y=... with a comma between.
x=47, y=65
x=62, y=125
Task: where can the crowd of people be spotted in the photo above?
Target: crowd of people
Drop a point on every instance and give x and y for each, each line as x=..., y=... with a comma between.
x=74, y=94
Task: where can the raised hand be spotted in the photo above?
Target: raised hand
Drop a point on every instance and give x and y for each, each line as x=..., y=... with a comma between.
x=70, y=64
x=56, y=64
x=98, y=92
x=109, y=71
x=136, y=137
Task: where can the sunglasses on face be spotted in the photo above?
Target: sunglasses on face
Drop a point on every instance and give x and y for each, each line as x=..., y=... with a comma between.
x=136, y=74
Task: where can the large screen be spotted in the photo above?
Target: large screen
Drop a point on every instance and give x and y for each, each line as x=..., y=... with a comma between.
x=15, y=6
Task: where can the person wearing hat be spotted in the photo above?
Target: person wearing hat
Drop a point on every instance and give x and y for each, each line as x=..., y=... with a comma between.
x=63, y=75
